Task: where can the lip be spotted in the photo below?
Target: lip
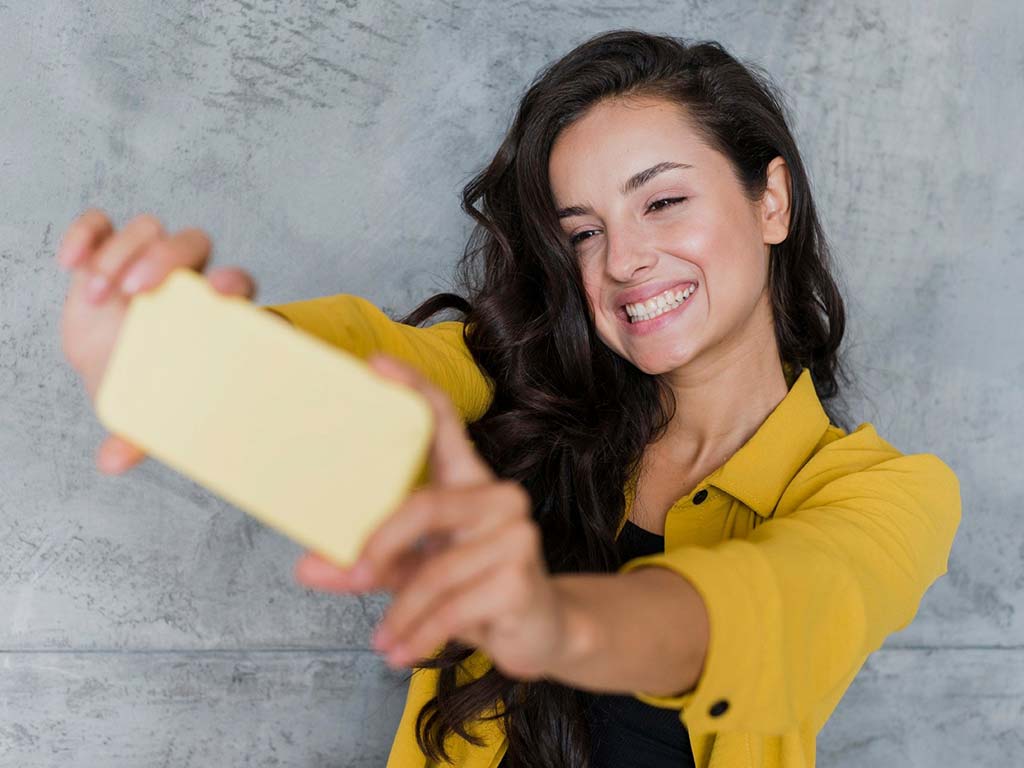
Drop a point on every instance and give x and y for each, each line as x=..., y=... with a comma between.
x=649, y=291
x=645, y=327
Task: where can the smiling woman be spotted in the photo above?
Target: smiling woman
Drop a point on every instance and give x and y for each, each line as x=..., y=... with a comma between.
x=673, y=227
x=650, y=350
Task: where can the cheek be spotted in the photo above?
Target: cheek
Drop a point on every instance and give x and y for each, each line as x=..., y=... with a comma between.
x=695, y=242
x=728, y=259
x=591, y=285
x=588, y=291
x=736, y=285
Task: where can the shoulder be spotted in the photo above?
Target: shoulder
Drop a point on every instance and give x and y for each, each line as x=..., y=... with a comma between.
x=453, y=328
x=863, y=465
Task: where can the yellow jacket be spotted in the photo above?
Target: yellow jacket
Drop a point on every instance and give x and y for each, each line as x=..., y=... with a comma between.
x=809, y=547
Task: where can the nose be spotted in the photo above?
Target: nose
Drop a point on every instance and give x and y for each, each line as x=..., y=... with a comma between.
x=628, y=253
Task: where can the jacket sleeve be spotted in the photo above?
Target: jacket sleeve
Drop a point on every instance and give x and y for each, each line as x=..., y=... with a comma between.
x=357, y=326
x=796, y=607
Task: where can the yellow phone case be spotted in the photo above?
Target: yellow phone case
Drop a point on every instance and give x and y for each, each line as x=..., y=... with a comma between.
x=300, y=434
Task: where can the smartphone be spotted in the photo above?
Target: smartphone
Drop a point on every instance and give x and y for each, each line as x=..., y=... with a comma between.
x=304, y=436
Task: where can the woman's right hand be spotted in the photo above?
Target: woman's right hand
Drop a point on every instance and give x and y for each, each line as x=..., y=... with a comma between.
x=104, y=264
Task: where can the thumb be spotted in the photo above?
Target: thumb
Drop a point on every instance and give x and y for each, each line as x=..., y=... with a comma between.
x=453, y=459
x=233, y=281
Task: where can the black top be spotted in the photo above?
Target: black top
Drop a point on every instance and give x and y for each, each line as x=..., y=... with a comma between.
x=623, y=729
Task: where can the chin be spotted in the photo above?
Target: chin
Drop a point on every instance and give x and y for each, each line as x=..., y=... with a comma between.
x=668, y=363
x=656, y=368
x=654, y=365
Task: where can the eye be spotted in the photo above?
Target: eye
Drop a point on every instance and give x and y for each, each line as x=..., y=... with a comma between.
x=575, y=239
x=657, y=204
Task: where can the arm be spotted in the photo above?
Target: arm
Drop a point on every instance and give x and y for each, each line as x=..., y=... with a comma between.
x=606, y=652
x=357, y=326
x=792, y=611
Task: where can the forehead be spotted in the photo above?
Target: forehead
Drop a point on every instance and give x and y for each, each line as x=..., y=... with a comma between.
x=617, y=137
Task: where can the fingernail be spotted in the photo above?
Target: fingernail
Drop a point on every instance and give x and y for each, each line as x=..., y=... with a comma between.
x=98, y=286
x=134, y=279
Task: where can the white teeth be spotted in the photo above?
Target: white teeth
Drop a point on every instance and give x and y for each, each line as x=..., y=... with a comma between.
x=659, y=305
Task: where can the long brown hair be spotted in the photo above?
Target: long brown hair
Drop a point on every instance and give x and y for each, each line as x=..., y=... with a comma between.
x=570, y=419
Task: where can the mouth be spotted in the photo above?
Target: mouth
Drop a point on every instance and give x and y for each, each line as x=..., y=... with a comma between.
x=658, y=305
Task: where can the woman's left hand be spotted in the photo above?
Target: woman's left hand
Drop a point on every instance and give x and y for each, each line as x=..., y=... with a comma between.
x=461, y=555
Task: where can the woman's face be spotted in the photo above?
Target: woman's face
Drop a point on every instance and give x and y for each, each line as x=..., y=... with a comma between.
x=674, y=230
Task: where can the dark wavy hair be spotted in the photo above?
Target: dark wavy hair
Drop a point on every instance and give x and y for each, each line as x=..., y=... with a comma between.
x=570, y=419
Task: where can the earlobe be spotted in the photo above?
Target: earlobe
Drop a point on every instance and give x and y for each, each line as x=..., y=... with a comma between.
x=775, y=203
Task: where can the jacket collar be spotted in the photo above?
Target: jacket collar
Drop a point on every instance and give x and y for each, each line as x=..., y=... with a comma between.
x=759, y=472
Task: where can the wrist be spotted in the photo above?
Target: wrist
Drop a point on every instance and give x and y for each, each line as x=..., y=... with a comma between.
x=580, y=631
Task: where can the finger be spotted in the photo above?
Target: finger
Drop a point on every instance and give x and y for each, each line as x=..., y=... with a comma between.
x=464, y=617
x=315, y=572
x=439, y=580
x=432, y=511
x=400, y=572
x=117, y=252
x=117, y=455
x=187, y=248
x=232, y=281
x=81, y=237
x=474, y=635
x=453, y=458
x=406, y=567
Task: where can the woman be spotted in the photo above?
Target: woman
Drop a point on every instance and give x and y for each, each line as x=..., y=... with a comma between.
x=662, y=547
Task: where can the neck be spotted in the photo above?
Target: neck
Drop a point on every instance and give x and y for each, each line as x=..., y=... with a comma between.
x=723, y=397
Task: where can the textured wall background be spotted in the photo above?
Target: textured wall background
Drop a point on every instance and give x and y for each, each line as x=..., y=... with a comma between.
x=322, y=145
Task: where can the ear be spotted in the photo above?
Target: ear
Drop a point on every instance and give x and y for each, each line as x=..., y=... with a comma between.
x=775, y=202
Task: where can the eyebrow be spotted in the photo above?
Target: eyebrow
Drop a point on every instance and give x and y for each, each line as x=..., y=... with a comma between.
x=632, y=184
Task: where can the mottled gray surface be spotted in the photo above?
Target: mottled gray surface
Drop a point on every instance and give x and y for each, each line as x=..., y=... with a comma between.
x=330, y=709
x=323, y=145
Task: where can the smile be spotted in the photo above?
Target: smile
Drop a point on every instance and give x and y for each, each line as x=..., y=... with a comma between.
x=656, y=312
x=658, y=305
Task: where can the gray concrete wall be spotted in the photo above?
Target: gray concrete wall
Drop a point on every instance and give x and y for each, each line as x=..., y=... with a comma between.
x=322, y=145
